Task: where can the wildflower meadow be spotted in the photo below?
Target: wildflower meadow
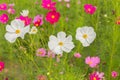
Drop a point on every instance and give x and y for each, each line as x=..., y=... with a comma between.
x=59, y=39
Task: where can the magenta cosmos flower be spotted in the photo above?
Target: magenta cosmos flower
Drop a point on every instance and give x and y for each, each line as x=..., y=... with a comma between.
x=1, y=66
x=96, y=76
x=89, y=8
x=4, y=18
x=41, y=52
x=38, y=20
x=48, y=4
x=52, y=17
x=3, y=6
x=114, y=74
x=92, y=61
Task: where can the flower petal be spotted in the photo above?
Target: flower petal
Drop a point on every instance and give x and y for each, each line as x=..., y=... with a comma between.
x=10, y=28
x=61, y=36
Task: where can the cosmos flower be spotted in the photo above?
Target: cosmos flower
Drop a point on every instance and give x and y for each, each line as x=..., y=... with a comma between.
x=77, y=55
x=89, y=8
x=15, y=30
x=11, y=10
x=118, y=21
x=41, y=77
x=3, y=6
x=67, y=0
x=41, y=52
x=24, y=17
x=33, y=30
x=4, y=18
x=96, y=76
x=48, y=4
x=85, y=35
x=52, y=17
x=92, y=61
x=1, y=65
x=114, y=74
x=11, y=5
x=38, y=20
x=51, y=54
x=60, y=43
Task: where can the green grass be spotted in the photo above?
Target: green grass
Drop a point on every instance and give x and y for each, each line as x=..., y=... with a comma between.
x=20, y=58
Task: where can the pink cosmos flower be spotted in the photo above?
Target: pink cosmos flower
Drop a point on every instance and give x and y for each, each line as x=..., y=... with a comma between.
x=11, y=10
x=92, y=61
x=67, y=0
x=4, y=18
x=68, y=5
x=96, y=76
x=3, y=6
x=38, y=20
x=11, y=5
x=41, y=52
x=51, y=54
x=48, y=4
x=77, y=55
x=114, y=74
x=89, y=8
x=1, y=66
x=52, y=17
x=25, y=19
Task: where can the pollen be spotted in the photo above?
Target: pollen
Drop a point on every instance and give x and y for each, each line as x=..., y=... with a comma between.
x=17, y=31
x=94, y=78
x=60, y=43
x=85, y=36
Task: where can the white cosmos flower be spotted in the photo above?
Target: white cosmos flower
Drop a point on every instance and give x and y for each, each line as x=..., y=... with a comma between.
x=24, y=13
x=15, y=30
x=85, y=35
x=60, y=43
x=33, y=30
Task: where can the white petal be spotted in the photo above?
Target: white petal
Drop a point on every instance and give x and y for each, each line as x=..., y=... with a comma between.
x=24, y=13
x=61, y=36
x=68, y=47
x=10, y=28
x=86, y=44
x=68, y=39
x=79, y=36
x=58, y=50
x=24, y=31
x=11, y=37
x=91, y=37
x=17, y=24
x=53, y=42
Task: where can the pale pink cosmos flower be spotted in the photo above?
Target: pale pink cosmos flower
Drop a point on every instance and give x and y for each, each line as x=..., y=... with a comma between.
x=4, y=18
x=38, y=20
x=68, y=5
x=77, y=55
x=52, y=17
x=3, y=6
x=11, y=10
x=67, y=0
x=96, y=76
x=48, y=4
x=92, y=61
x=59, y=0
x=11, y=5
x=2, y=64
x=114, y=74
x=50, y=54
x=41, y=52
x=89, y=8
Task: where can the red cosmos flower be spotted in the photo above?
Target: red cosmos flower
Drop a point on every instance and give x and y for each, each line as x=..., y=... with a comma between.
x=52, y=17
x=1, y=66
x=118, y=21
x=4, y=18
x=3, y=6
x=48, y=4
x=38, y=20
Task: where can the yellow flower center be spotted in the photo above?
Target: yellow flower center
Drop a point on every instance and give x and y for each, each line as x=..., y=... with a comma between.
x=94, y=78
x=17, y=31
x=36, y=25
x=60, y=43
x=52, y=16
x=34, y=30
x=40, y=52
x=85, y=36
